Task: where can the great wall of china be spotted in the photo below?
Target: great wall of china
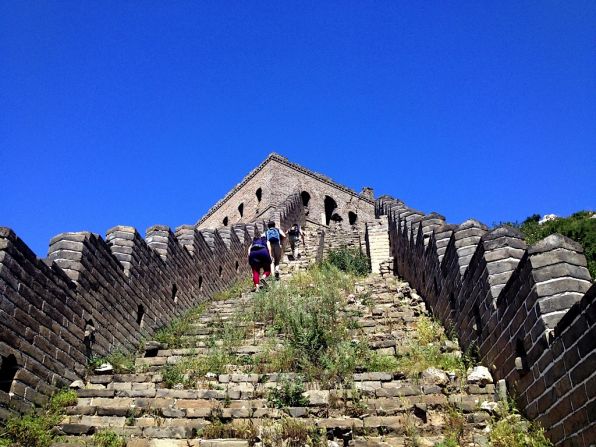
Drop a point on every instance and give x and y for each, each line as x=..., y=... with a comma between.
x=528, y=312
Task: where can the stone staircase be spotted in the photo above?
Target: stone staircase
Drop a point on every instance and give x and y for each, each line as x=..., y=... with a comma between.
x=371, y=408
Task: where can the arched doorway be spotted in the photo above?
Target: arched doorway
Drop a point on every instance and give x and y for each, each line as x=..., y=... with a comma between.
x=330, y=207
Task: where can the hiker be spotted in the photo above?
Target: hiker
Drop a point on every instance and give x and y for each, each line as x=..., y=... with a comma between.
x=274, y=237
x=295, y=233
x=259, y=258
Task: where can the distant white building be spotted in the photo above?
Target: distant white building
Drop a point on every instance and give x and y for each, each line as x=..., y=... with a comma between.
x=547, y=218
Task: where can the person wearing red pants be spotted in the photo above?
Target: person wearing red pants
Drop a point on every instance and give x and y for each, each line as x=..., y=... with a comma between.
x=259, y=258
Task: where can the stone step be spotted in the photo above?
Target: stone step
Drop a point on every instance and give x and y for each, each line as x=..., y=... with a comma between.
x=380, y=409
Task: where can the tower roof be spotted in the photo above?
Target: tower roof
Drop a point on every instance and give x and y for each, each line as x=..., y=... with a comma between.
x=274, y=157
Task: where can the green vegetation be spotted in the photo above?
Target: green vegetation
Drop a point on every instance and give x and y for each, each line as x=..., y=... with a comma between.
x=272, y=433
x=189, y=370
x=306, y=313
x=580, y=227
x=290, y=393
x=172, y=334
x=424, y=351
x=448, y=442
x=107, y=438
x=349, y=260
x=122, y=362
x=240, y=286
x=292, y=433
x=239, y=430
x=454, y=425
x=226, y=337
x=511, y=430
x=35, y=429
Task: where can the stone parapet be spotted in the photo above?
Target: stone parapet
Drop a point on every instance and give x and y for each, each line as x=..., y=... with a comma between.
x=92, y=295
x=528, y=312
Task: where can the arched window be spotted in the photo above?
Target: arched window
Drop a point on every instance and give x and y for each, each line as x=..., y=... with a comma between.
x=241, y=209
x=330, y=207
x=140, y=314
x=225, y=221
x=521, y=359
x=8, y=370
x=174, y=293
x=259, y=194
x=305, y=198
x=352, y=218
x=452, y=302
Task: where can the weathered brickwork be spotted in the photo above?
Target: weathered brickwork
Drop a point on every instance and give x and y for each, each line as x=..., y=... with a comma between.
x=377, y=243
x=529, y=312
x=94, y=295
x=277, y=178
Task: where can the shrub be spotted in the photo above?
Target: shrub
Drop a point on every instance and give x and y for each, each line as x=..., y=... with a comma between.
x=350, y=260
x=35, y=429
x=63, y=399
x=306, y=310
x=193, y=368
x=580, y=227
x=172, y=333
x=511, y=430
x=107, y=438
x=31, y=430
x=239, y=430
x=291, y=433
x=290, y=393
x=122, y=362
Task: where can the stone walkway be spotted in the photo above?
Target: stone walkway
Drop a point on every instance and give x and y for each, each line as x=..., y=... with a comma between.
x=377, y=409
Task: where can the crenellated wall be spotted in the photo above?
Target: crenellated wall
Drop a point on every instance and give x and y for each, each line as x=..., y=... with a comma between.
x=529, y=312
x=93, y=295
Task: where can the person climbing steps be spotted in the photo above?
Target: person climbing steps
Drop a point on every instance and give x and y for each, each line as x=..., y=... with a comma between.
x=274, y=238
x=259, y=258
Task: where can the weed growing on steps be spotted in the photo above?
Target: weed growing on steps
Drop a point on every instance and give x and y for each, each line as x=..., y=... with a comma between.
x=511, y=430
x=190, y=370
x=226, y=337
x=238, y=430
x=350, y=260
x=108, y=438
x=286, y=431
x=455, y=425
x=306, y=313
x=35, y=429
x=289, y=393
x=122, y=362
x=234, y=291
x=173, y=332
x=423, y=350
x=291, y=433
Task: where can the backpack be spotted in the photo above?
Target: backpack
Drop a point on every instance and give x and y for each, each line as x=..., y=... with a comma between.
x=258, y=244
x=294, y=233
x=273, y=235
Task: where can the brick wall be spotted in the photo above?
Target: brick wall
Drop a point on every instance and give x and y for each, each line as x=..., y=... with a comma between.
x=93, y=295
x=277, y=178
x=528, y=311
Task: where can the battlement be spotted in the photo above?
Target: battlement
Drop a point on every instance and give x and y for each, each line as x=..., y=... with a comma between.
x=93, y=295
x=527, y=311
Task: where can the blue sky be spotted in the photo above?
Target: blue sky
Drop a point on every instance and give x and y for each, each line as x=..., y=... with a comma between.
x=139, y=113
